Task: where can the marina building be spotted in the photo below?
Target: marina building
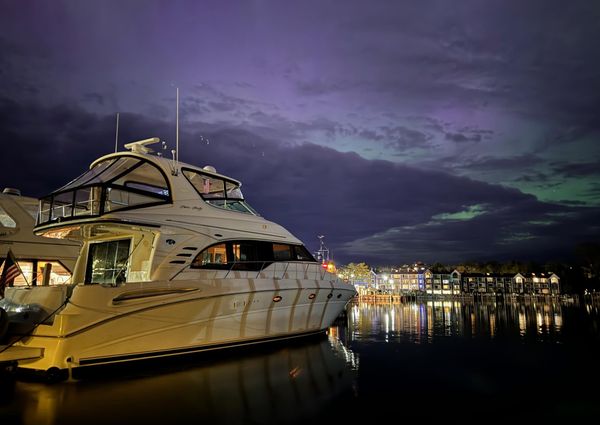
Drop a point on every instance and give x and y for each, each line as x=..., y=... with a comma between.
x=414, y=280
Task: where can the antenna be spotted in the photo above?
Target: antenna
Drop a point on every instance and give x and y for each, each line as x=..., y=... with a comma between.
x=175, y=171
x=323, y=252
x=117, y=134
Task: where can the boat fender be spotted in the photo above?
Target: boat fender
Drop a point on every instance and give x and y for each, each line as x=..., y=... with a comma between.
x=3, y=323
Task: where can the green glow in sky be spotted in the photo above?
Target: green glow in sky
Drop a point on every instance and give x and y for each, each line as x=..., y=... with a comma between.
x=471, y=212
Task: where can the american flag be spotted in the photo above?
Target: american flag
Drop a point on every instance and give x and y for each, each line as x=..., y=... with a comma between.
x=9, y=273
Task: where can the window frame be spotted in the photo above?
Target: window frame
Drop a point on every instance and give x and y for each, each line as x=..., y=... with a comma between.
x=35, y=263
x=103, y=186
x=89, y=270
x=11, y=222
x=250, y=265
x=225, y=198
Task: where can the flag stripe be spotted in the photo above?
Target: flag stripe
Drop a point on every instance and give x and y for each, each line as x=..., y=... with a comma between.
x=10, y=272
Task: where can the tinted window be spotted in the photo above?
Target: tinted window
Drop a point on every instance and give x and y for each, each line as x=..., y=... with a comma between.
x=302, y=254
x=218, y=191
x=245, y=251
x=282, y=252
x=213, y=256
x=248, y=255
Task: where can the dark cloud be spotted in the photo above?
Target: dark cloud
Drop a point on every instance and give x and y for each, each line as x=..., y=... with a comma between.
x=506, y=92
x=401, y=137
x=373, y=210
x=504, y=163
x=580, y=169
x=94, y=98
x=461, y=138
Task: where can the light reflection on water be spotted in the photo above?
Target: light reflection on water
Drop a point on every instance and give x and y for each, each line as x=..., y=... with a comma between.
x=445, y=359
x=423, y=321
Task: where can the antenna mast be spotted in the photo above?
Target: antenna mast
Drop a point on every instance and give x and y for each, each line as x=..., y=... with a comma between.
x=117, y=134
x=177, y=131
x=323, y=252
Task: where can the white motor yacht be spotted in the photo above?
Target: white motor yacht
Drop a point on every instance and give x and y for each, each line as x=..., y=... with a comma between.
x=173, y=261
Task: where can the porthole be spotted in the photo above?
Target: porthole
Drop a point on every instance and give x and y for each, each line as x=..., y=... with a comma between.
x=312, y=296
x=277, y=298
x=339, y=296
x=330, y=295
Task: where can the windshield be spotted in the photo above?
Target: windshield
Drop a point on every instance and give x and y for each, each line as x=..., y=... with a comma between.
x=110, y=185
x=219, y=192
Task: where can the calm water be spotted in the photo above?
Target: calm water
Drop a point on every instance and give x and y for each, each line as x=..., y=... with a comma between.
x=425, y=361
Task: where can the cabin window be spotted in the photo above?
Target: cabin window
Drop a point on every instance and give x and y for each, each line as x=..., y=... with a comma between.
x=107, y=261
x=302, y=253
x=59, y=274
x=248, y=255
x=282, y=252
x=219, y=192
x=245, y=251
x=215, y=255
x=6, y=220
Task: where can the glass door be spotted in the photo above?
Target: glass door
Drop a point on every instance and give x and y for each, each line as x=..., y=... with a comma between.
x=107, y=262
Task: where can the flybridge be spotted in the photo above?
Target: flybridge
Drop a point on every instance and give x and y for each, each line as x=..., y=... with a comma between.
x=112, y=184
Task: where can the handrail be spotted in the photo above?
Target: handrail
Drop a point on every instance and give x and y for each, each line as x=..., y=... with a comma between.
x=294, y=269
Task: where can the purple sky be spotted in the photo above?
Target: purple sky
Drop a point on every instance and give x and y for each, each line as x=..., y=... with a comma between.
x=402, y=131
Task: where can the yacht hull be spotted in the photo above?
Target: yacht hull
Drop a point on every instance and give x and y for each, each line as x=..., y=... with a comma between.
x=104, y=325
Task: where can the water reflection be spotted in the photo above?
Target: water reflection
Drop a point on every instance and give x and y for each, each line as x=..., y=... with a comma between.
x=285, y=385
x=447, y=360
x=424, y=321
